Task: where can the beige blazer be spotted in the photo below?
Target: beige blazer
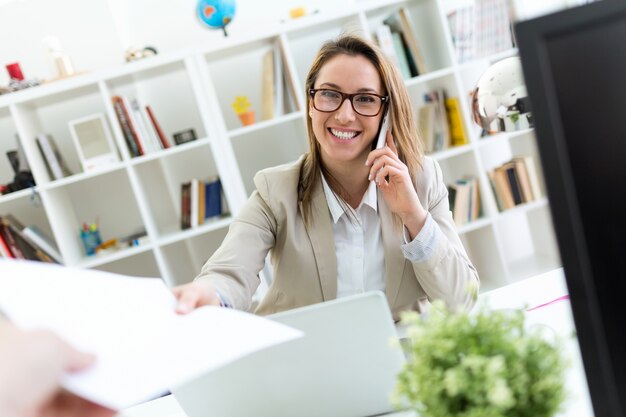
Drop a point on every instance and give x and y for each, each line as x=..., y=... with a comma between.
x=303, y=257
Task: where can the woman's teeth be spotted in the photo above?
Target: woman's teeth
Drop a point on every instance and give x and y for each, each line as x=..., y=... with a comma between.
x=342, y=134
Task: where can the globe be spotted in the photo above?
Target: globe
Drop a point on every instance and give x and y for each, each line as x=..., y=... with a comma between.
x=216, y=14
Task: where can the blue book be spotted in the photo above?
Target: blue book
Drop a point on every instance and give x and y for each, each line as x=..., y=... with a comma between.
x=213, y=198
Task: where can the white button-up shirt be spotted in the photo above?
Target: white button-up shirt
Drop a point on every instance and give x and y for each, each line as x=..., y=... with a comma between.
x=358, y=243
x=359, y=246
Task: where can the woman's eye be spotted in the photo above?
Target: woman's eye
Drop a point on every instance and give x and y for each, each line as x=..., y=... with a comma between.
x=330, y=94
x=365, y=99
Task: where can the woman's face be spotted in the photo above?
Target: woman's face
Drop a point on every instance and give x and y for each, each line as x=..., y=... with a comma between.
x=345, y=136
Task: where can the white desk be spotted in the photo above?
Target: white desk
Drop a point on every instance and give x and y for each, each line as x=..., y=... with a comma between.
x=528, y=293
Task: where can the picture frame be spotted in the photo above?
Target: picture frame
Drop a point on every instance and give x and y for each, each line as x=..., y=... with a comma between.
x=93, y=141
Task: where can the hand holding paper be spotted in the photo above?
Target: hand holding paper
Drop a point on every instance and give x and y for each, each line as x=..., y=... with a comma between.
x=142, y=346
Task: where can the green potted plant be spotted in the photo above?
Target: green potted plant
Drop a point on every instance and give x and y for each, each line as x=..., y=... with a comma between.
x=481, y=364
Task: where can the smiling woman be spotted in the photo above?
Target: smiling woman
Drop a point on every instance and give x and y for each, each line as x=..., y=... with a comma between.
x=345, y=218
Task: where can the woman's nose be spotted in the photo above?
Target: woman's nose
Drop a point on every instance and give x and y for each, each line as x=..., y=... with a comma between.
x=345, y=112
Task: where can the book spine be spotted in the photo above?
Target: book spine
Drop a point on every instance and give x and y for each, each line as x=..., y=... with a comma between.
x=455, y=122
x=5, y=251
x=10, y=241
x=128, y=111
x=157, y=127
x=201, y=201
x=185, y=205
x=142, y=130
x=213, y=197
x=118, y=106
x=50, y=156
x=503, y=188
x=45, y=160
x=515, y=187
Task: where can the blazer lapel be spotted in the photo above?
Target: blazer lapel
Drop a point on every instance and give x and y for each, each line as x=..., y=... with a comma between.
x=394, y=258
x=320, y=233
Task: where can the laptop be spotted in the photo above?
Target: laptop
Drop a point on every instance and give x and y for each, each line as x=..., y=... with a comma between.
x=344, y=366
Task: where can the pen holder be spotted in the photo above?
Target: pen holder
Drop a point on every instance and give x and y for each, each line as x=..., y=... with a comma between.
x=91, y=240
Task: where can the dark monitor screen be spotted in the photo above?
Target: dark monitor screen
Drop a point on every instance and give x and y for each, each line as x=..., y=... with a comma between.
x=574, y=66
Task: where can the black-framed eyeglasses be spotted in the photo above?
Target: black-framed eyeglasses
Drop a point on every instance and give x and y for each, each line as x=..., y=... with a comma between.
x=365, y=104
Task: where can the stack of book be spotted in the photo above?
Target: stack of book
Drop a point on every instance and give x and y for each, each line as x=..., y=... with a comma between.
x=439, y=122
x=200, y=200
x=515, y=182
x=481, y=28
x=464, y=199
x=276, y=94
x=26, y=242
x=139, y=125
x=397, y=40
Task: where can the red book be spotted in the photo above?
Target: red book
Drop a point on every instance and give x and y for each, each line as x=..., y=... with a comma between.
x=157, y=127
x=126, y=123
x=4, y=248
x=8, y=238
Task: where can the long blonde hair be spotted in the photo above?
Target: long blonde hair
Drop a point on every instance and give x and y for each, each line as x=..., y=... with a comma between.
x=402, y=120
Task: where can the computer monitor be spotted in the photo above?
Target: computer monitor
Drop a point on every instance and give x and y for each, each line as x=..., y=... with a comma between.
x=574, y=64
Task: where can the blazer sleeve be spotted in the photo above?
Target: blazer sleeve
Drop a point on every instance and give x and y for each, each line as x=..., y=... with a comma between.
x=234, y=267
x=448, y=273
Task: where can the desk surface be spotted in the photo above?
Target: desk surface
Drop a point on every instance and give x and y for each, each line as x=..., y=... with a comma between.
x=529, y=293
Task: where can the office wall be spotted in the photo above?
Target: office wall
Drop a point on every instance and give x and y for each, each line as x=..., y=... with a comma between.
x=95, y=33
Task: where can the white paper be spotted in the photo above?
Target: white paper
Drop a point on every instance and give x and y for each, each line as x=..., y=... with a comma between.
x=142, y=346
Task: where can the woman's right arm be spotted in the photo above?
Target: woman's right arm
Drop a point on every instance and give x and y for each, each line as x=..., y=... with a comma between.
x=231, y=275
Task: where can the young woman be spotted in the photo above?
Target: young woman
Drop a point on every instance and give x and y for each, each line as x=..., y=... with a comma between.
x=345, y=218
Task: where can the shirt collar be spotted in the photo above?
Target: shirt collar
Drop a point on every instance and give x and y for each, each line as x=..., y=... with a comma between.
x=370, y=198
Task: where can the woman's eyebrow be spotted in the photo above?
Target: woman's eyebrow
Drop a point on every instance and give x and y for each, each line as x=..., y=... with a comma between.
x=360, y=90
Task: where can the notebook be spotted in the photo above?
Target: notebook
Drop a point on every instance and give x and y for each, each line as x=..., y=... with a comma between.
x=344, y=366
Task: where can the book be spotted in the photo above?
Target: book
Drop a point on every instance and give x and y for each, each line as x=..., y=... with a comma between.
x=29, y=247
x=456, y=128
x=201, y=201
x=5, y=251
x=185, y=210
x=512, y=176
x=533, y=177
x=475, y=205
x=138, y=133
x=462, y=202
x=403, y=62
x=451, y=195
x=148, y=138
x=267, y=86
x=524, y=182
x=41, y=239
x=54, y=161
x=426, y=116
x=411, y=41
x=442, y=133
x=121, y=112
x=213, y=197
x=385, y=42
x=9, y=239
x=503, y=188
x=157, y=127
x=194, y=202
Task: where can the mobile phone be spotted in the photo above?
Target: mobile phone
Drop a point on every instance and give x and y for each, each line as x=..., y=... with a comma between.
x=382, y=132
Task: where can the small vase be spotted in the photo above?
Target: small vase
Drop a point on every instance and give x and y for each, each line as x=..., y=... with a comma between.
x=247, y=118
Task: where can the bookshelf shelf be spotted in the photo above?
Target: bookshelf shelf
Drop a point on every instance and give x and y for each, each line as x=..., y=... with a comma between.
x=179, y=236
x=109, y=257
x=475, y=225
x=265, y=124
x=194, y=88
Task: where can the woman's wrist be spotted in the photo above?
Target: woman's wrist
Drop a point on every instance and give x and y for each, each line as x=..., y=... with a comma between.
x=414, y=222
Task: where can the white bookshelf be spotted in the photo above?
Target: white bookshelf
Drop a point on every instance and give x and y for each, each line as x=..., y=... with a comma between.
x=194, y=88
